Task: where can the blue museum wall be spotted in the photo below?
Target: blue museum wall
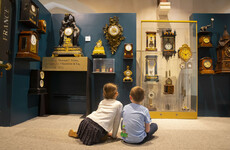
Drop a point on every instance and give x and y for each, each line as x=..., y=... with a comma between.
x=92, y=25
x=24, y=106
x=213, y=90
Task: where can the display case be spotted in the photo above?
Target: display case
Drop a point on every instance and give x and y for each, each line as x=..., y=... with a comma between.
x=170, y=79
x=104, y=65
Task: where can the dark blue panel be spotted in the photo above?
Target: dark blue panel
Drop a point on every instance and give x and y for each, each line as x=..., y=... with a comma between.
x=92, y=24
x=213, y=90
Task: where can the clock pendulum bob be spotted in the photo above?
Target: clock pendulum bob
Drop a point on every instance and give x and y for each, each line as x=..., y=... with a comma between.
x=28, y=45
x=151, y=68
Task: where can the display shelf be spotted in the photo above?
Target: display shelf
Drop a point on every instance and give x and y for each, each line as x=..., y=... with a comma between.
x=104, y=66
x=169, y=75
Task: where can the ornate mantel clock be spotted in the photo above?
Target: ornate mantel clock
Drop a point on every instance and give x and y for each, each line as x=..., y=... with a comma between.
x=29, y=13
x=28, y=45
x=151, y=68
x=127, y=74
x=69, y=34
x=223, y=53
x=151, y=41
x=184, y=52
x=206, y=66
x=205, y=36
x=168, y=41
x=99, y=51
x=128, y=51
x=114, y=33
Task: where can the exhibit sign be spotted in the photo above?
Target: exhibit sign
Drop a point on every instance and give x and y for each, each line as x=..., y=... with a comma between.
x=5, y=26
x=65, y=64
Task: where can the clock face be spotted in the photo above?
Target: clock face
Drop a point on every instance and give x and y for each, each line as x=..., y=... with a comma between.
x=33, y=8
x=33, y=40
x=68, y=31
x=42, y=75
x=189, y=65
x=185, y=53
x=169, y=81
x=168, y=46
x=206, y=40
x=227, y=51
x=151, y=95
x=41, y=83
x=128, y=47
x=113, y=30
x=128, y=73
x=182, y=65
x=207, y=64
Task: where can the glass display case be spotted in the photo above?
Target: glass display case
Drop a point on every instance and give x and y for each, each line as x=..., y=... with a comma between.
x=169, y=74
x=104, y=65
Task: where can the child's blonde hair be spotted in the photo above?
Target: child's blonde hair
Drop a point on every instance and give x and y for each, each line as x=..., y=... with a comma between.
x=109, y=90
x=137, y=93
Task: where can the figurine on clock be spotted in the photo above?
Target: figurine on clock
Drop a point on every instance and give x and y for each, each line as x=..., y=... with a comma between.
x=205, y=36
x=168, y=41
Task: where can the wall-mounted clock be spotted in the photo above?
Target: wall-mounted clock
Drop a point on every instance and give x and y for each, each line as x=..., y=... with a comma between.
x=128, y=50
x=168, y=42
x=29, y=13
x=114, y=33
x=184, y=52
x=127, y=74
x=41, y=26
x=206, y=66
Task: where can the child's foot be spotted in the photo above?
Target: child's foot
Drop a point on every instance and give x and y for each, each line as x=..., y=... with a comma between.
x=72, y=134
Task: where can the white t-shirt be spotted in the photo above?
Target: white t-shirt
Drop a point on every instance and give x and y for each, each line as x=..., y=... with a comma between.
x=108, y=115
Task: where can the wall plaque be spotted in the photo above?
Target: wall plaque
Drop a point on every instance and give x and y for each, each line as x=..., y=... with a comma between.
x=65, y=64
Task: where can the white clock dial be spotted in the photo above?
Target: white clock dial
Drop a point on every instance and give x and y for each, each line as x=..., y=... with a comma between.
x=68, y=31
x=207, y=64
x=113, y=30
x=128, y=47
x=182, y=65
x=168, y=46
x=42, y=75
x=44, y=23
x=151, y=95
x=41, y=83
x=33, y=8
x=33, y=40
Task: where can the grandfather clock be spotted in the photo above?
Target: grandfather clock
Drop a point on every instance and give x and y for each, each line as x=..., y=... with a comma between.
x=223, y=53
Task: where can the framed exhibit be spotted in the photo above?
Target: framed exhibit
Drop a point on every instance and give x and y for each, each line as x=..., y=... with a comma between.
x=170, y=83
x=104, y=65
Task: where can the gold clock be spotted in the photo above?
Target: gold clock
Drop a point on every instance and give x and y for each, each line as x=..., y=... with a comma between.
x=41, y=26
x=114, y=33
x=184, y=52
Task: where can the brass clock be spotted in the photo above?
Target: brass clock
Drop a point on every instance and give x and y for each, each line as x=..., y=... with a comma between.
x=168, y=39
x=128, y=50
x=28, y=45
x=151, y=41
x=114, y=33
x=127, y=74
x=206, y=66
x=184, y=52
x=41, y=26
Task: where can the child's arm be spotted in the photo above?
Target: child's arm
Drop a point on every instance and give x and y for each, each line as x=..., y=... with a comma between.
x=147, y=127
x=116, y=122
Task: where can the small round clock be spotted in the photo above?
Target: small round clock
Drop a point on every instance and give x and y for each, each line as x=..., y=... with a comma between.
x=128, y=50
x=206, y=40
x=128, y=47
x=68, y=31
x=207, y=64
x=42, y=75
x=182, y=65
x=113, y=30
x=168, y=46
x=33, y=8
x=41, y=83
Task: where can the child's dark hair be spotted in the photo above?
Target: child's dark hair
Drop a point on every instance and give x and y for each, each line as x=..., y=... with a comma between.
x=109, y=90
x=137, y=93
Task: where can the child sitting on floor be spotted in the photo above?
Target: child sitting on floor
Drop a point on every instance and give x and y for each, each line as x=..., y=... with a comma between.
x=136, y=127
x=95, y=127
